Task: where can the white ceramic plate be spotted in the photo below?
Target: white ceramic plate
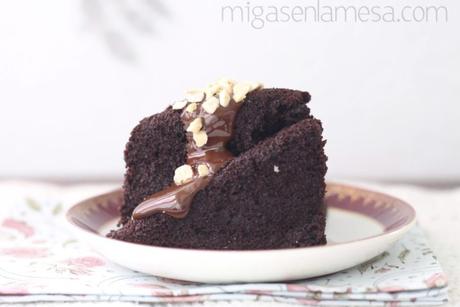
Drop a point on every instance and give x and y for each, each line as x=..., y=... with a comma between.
x=360, y=225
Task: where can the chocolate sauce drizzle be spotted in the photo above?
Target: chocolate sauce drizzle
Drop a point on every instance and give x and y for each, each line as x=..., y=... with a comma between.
x=176, y=200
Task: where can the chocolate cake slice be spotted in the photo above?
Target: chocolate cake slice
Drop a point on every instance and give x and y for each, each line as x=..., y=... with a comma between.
x=239, y=173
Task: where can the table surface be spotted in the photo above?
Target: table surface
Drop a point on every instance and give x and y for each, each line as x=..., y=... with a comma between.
x=438, y=213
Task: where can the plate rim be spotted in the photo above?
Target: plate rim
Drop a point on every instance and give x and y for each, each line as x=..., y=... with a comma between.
x=401, y=228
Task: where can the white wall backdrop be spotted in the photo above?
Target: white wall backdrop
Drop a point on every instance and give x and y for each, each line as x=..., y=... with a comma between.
x=77, y=75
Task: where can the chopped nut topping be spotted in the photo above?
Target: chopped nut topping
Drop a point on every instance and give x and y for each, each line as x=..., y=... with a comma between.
x=211, y=104
x=191, y=107
x=255, y=86
x=276, y=169
x=229, y=90
x=196, y=125
x=240, y=90
x=224, y=98
x=183, y=174
x=212, y=89
x=200, y=138
x=225, y=83
x=203, y=170
x=194, y=96
x=179, y=105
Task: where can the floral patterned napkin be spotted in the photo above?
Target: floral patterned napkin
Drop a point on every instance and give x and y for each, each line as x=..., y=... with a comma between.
x=40, y=260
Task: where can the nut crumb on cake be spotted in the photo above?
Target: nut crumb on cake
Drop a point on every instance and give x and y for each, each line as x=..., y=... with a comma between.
x=183, y=174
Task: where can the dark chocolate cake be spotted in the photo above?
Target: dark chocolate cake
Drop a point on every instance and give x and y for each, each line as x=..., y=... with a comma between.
x=233, y=166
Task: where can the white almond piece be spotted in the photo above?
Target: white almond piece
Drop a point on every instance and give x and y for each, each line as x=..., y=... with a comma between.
x=200, y=138
x=183, y=174
x=255, y=86
x=196, y=125
x=191, y=107
x=228, y=89
x=226, y=85
x=276, y=169
x=203, y=170
x=211, y=104
x=212, y=89
x=240, y=91
x=224, y=98
x=179, y=105
x=225, y=82
x=194, y=96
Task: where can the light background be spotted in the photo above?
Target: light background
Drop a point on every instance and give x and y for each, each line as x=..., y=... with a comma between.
x=76, y=76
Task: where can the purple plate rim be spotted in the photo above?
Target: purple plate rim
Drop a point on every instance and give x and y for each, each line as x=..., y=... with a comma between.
x=362, y=199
